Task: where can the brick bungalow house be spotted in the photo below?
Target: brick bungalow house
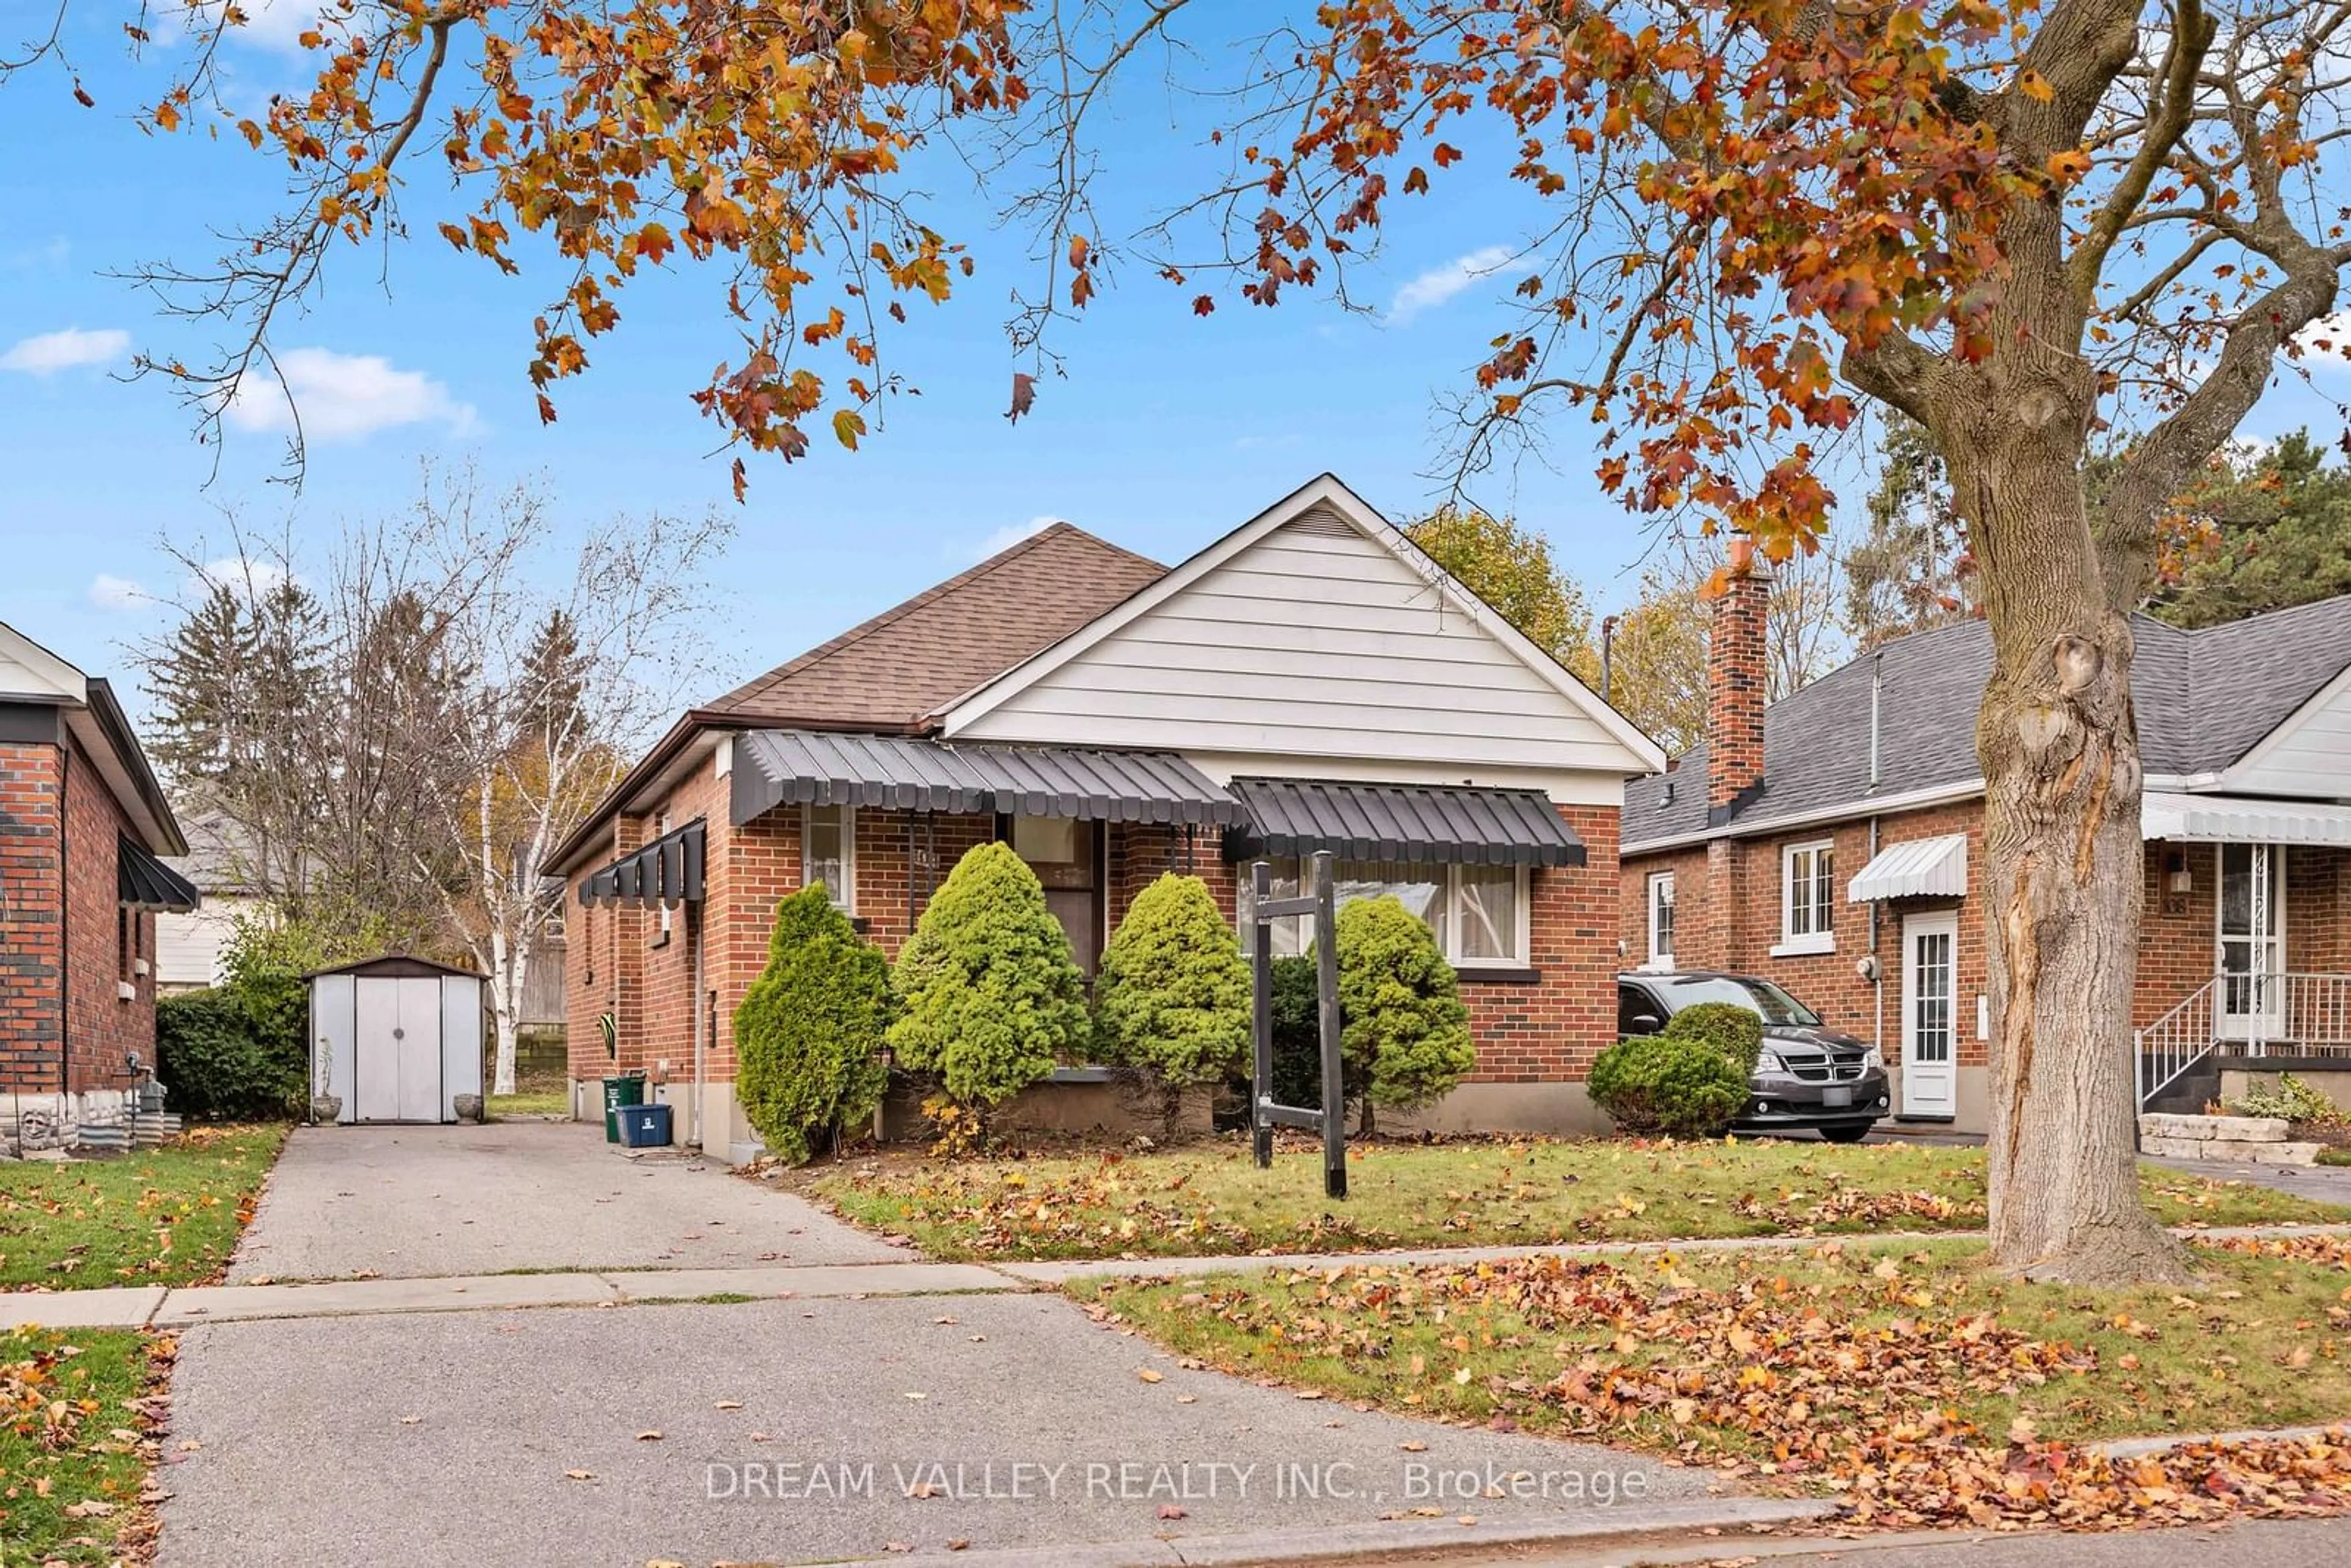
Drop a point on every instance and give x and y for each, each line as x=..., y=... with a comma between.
x=83, y=826
x=1833, y=843
x=1309, y=681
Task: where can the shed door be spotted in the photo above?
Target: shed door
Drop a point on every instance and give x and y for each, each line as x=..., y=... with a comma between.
x=420, y=1049
x=376, y=1074
x=398, y=1070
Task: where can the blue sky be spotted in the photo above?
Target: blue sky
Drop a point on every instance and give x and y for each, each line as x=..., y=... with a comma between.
x=1170, y=429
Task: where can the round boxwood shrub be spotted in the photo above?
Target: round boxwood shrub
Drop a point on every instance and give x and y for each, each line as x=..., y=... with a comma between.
x=807, y=1035
x=991, y=995
x=1679, y=1085
x=1734, y=1031
x=1172, y=995
x=214, y=1065
x=1401, y=1021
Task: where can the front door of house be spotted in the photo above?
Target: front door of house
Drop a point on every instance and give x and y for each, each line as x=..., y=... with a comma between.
x=1066, y=855
x=2251, y=936
x=1930, y=946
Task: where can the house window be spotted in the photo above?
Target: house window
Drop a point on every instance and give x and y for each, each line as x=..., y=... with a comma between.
x=1807, y=899
x=1661, y=920
x=829, y=852
x=1478, y=912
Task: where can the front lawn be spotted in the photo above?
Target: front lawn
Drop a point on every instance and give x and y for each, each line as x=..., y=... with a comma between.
x=73, y=1445
x=1913, y=1381
x=168, y=1216
x=1212, y=1201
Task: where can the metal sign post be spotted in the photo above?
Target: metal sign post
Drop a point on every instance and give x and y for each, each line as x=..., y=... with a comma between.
x=1331, y=1118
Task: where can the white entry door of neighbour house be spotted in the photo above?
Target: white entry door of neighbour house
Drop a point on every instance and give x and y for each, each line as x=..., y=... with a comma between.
x=2250, y=934
x=398, y=1048
x=1930, y=946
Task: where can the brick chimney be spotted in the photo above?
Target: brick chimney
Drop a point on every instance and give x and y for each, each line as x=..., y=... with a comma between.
x=1734, y=679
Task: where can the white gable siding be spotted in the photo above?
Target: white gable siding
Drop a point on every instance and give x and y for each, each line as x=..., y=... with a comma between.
x=2309, y=755
x=1313, y=641
x=188, y=946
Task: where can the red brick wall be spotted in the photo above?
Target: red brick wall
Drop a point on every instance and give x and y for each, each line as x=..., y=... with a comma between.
x=1549, y=1031
x=1728, y=916
x=1545, y=1030
x=32, y=1022
x=61, y=953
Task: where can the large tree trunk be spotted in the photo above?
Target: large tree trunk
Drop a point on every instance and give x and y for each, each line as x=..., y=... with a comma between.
x=2059, y=744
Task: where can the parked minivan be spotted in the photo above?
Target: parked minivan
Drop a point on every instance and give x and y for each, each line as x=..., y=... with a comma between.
x=1809, y=1077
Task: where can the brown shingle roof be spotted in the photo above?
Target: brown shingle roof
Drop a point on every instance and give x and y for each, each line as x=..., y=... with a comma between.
x=905, y=664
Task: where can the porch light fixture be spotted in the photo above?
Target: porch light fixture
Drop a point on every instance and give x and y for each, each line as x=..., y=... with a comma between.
x=2176, y=875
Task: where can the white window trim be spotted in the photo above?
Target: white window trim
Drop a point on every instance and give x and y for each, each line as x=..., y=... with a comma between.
x=1659, y=879
x=846, y=899
x=1521, y=938
x=1523, y=903
x=1792, y=943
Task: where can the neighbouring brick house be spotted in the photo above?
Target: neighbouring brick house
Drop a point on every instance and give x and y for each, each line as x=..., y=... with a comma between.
x=83, y=824
x=1309, y=681
x=1833, y=843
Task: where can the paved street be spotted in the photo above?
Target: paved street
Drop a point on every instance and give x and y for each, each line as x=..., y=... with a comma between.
x=426, y=1201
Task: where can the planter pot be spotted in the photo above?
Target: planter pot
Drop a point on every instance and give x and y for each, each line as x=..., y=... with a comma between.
x=469, y=1107
x=326, y=1107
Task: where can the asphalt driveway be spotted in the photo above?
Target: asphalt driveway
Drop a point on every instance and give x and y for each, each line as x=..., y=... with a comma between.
x=419, y=1202
x=494, y=1439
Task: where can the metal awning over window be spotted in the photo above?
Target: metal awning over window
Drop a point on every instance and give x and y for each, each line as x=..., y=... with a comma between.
x=2238, y=819
x=1923, y=868
x=667, y=871
x=882, y=772
x=142, y=881
x=1410, y=822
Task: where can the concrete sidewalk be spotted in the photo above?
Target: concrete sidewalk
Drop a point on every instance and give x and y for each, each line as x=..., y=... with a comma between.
x=153, y=1306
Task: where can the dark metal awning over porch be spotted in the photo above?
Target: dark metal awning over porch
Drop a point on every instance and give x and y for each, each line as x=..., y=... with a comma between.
x=142, y=881
x=667, y=871
x=882, y=772
x=1416, y=823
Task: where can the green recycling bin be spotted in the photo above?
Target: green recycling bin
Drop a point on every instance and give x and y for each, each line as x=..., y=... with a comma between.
x=628, y=1089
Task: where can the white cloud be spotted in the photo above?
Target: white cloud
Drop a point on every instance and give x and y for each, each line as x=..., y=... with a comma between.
x=108, y=591
x=1003, y=539
x=1439, y=284
x=246, y=575
x=269, y=24
x=2328, y=337
x=49, y=352
x=342, y=397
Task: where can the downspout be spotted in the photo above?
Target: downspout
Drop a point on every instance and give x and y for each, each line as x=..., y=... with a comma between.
x=1876, y=907
x=701, y=1019
x=65, y=933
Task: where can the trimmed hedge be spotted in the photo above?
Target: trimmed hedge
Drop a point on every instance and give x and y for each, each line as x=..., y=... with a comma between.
x=1734, y=1031
x=1679, y=1085
x=1172, y=996
x=809, y=1032
x=992, y=997
x=214, y=1066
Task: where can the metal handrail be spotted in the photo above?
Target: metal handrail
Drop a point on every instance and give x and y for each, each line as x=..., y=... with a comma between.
x=2176, y=1041
x=2303, y=1011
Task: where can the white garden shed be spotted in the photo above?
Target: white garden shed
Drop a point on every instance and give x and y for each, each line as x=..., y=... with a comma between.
x=397, y=1039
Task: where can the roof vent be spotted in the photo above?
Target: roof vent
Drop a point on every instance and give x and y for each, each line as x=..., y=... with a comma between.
x=1322, y=522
